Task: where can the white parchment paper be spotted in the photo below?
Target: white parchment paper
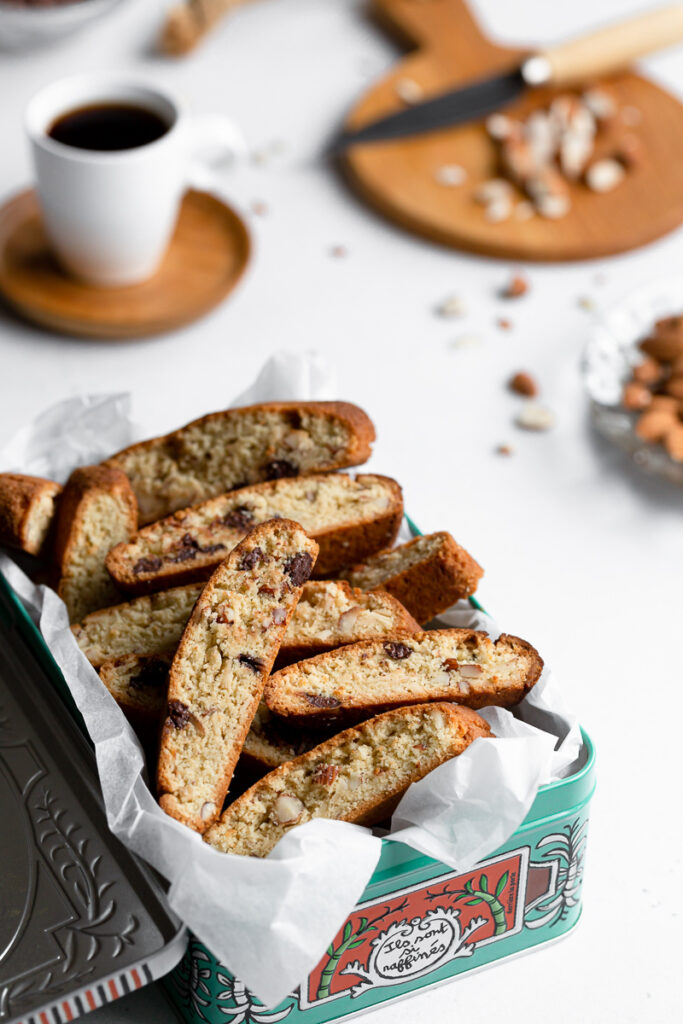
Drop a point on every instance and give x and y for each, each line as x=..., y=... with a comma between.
x=284, y=910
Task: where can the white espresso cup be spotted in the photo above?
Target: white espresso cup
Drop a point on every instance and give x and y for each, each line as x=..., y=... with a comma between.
x=110, y=215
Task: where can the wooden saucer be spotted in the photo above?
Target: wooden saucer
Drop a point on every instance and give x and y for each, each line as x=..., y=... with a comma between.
x=206, y=258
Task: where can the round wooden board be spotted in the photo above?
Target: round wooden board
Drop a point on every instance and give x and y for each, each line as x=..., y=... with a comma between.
x=398, y=177
x=207, y=256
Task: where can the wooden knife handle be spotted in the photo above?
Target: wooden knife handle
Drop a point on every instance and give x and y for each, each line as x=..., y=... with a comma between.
x=612, y=48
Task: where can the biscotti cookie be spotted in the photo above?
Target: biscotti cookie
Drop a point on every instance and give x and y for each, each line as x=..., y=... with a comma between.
x=139, y=685
x=427, y=575
x=96, y=512
x=357, y=775
x=329, y=613
x=346, y=516
x=220, y=668
x=230, y=449
x=148, y=625
x=27, y=509
x=461, y=665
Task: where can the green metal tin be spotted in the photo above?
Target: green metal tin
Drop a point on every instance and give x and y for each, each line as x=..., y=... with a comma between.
x=418, y=923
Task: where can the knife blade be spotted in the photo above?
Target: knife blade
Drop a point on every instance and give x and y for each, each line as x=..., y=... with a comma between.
x=607, y=50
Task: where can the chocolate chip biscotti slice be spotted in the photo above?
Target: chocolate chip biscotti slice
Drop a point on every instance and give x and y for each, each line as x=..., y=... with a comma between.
x=427, y=575
x=27, y=509
x=461, y=665
x=97, y=511
x=358, y=775
x=350, y=518
x=220, y=668
x=230, y=449
x=139, y=685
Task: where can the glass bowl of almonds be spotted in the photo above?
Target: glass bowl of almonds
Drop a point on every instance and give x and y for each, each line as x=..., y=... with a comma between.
x=29, y=24
x=633, y=372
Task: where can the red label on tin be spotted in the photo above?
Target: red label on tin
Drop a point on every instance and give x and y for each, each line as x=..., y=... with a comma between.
x=422, y=928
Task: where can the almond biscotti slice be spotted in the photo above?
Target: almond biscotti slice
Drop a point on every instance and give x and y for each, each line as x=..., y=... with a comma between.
x=346, y=516
x=97, y=511
x=230, y=449
x=329, y=613
x=427, y=575
x=358, y=775
x=27, y=509
x=148, y=625
x=139, y=685
x=461, y=665
x=220, y=668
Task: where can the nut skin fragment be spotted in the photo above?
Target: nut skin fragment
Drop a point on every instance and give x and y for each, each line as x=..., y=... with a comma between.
x=535, y=417
x=523, y=383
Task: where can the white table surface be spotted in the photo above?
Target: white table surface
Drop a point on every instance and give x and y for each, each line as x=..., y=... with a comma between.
x=583, y=553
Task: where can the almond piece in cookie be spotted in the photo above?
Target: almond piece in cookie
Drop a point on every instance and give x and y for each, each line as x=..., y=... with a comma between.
x=358, y=775
x=227, y=450
x=427, y=575
x=220, y=668
x=97, y=511
x=461, y=665
x=350, y=518
x=27, y=509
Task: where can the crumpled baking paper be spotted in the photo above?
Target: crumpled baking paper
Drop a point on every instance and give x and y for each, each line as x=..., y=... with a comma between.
x=270, y=920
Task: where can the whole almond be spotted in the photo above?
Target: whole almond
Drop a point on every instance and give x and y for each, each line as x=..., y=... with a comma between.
x=523, y=383
x=665, y=403
x=677, y=366
x=663, y=347
x=636, y=396
x=674, y=386
x=648, y=371
x=655, y=425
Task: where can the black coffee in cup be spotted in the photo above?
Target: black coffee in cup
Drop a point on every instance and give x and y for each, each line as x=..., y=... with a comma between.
x=107, y=127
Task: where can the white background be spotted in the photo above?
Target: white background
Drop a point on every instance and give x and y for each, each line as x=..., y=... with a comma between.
x=583, y=554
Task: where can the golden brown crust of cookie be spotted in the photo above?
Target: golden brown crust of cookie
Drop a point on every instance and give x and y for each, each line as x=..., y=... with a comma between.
x=20, y=499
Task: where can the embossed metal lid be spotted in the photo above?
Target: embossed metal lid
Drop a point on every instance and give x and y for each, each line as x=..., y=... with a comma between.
x=82, y=920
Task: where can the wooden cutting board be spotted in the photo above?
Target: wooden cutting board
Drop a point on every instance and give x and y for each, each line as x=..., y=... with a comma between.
x=398, y=177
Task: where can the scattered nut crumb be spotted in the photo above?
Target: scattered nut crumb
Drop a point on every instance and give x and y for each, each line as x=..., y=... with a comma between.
x=522, y=383
x=451, y=307
x=517, y=286
x=259, y=208
x=498, y=210
x=605, y=175
x=450, y=175
x=600, y=278
x=505, y=449
x=585, y=302
x=504, y=323
x=466, y=341
x=339, y=251
x=409, y=91
x=535, y=417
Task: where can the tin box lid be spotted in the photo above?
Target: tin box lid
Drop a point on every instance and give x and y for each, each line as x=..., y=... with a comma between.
x=82, y=920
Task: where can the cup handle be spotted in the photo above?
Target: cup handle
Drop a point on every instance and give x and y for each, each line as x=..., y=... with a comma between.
x=215, y=142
